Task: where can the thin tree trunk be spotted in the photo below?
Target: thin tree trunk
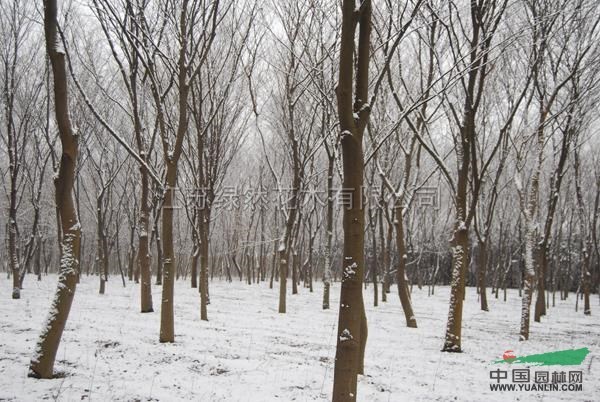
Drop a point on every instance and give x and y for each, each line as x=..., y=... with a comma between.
x=401, y=271
x=528, y=282
x=482, y=272
x=159, y=255
x=328, y=233
x=13, y=248
x=586, y=239
x=131, y=270
x=383, y=251
x=194, y=268
x=284, y=248
x=387, y=261
x=143, y=257
x=295, y=259
x=204, y=250
x=374, y=276
x=102, y=245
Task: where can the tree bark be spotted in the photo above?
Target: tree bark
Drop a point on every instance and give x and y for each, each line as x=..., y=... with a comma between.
x=328, y=233
x=194, y=267
x=13, y=248
x=42, y=362
x=528, y=282
x=374, y=265
x=143, y=257
x=167, y=326
x=482, y=274
x=586, y=237
x=159, y=254
x=352, y=324
x=204, y=250
x=401, y=271
x=295, y=260
x=102, y=248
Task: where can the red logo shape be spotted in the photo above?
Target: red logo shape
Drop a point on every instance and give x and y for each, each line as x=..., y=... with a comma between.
x=509, y=355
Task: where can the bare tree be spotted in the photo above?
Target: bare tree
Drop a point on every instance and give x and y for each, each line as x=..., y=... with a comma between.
x=219, y=119
x=122, y=28
x=192, y=51
x=556, y=94
x=20, y=98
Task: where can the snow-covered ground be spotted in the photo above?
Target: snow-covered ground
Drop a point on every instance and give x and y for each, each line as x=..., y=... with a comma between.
x=249, y=352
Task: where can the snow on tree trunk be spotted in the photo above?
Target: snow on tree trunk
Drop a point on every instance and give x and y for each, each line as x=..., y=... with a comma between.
x=352, y=322
x=167, y=325
x=42, y=362
x=528, y=281
x=328, y=234
x=204, y=249
x=453, y=339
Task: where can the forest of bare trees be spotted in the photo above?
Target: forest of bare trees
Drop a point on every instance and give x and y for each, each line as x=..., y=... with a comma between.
x=384, y=146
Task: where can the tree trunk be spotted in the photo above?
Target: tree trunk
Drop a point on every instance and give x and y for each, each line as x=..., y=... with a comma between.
x=328, y=233
x=374, y=275
x=295, y=259
x=482, y=268
x=459, y=264
x=38, y=258
x=586, y=237
x=132, y=272
x=194, y=268
x=143, y=257
x=13, y=167
x=204, y=249
x=167, y=326
x=102, y=245
x=159, y=256
x=13, y=248
x=401, y=271
x=387, y=262
x=283, y=264
x=540, y=302
x=352, y=323
x=310, y=263
x=262, y=260
x=275, y=248
x=284, y=248
x=528, y=281
x=42, y=362
x=460, y=251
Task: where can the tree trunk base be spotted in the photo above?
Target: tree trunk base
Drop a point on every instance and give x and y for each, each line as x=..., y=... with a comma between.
x=451, y=348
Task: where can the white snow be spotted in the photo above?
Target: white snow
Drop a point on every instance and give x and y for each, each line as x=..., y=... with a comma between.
x=345, y=335
x=249, y=352
x=345, y=134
